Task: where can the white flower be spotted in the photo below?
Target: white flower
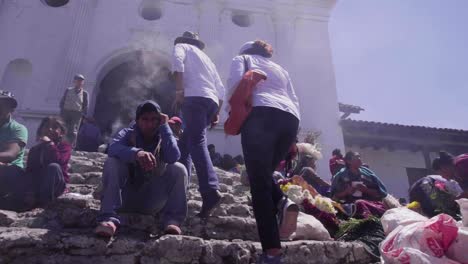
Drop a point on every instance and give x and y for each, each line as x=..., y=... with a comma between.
x=324, y=204
x=295, y=193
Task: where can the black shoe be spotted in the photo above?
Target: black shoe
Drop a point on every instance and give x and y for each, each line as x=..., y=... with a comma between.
x=209, y=203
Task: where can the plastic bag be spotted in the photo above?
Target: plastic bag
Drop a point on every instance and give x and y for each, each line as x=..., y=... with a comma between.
x=458, y=250
x=400, y=216
x=421, y=242
x=309, y=228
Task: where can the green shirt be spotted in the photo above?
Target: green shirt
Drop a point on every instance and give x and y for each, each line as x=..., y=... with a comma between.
x=13, y=131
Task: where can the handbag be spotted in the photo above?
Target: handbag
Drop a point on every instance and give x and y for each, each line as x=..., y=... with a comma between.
x=241, y=100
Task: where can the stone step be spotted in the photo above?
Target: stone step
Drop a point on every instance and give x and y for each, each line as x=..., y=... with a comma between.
x=29, y=245
x=80, y=211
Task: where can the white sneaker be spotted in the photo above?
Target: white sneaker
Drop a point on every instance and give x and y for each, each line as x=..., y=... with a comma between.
x=288, y=212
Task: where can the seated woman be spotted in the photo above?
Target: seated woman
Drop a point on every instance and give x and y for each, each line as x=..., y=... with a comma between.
x=306, y=168
x=286, y=166
x=48, y=161
x=436, y=193
x=360, y=186
x=461, y=173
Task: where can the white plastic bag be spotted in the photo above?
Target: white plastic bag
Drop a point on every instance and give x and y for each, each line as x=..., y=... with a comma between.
x=400, y=216
x=309, y=228
x=459, y=249
x=421, y=242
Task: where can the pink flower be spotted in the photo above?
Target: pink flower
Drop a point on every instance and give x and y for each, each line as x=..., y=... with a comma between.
x=440, y=185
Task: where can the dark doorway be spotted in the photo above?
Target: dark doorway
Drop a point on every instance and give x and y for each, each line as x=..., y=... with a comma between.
x=415, y=174
x=141, y=78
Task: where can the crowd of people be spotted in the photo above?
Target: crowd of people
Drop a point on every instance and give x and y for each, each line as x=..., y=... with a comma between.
x=149, y=162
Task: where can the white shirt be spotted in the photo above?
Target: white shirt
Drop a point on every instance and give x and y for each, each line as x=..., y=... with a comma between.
x=276, y=91
x=199, y=72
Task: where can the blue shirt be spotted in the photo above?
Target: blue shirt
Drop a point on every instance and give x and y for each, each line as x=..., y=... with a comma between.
x=122, y=148
x=345, y=177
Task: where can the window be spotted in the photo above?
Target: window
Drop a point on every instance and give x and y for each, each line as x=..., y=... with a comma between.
x=150, y=10
x=55, y=3
x=17, y=78
x=242, y=19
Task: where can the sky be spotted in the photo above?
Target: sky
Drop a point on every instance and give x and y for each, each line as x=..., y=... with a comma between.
x=403, y=61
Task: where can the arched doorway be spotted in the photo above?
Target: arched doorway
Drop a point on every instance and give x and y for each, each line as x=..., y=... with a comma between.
x=17, y=78
x=140, y=76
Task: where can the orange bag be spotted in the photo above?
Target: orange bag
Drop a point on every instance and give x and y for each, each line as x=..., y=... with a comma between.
x=241, y=101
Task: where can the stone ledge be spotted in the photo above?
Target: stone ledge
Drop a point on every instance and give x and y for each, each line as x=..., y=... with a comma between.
x=29, y=245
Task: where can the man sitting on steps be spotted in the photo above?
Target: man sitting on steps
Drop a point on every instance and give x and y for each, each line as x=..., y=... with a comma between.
x=141, y=174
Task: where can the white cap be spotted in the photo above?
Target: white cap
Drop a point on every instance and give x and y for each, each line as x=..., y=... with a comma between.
x=246, y=46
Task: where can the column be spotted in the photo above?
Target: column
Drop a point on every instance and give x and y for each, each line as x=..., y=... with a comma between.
x=72, y=63
x=283, y=18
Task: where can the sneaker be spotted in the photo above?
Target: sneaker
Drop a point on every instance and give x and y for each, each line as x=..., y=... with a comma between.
x=105, y=229
x=288, y=212
x=209, y=204
x=172, y=230
x=265, y=259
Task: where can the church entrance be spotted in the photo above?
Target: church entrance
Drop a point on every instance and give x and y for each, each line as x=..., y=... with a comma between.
x=141, y=76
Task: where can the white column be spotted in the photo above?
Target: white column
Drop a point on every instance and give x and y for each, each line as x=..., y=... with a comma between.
x=72, y=62
x=209, y=27
x=283, y=19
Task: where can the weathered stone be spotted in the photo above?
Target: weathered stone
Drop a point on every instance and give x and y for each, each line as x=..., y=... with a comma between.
x=239, y=210
x=40, y=245
x=92, y=177
x=228, y=199
x=83, y=166
x=76, y=178
x=7, y=217
x=63, y=232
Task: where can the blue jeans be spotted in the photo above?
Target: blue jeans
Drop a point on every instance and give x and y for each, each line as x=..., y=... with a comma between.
x=197, y=113
x=165, y=194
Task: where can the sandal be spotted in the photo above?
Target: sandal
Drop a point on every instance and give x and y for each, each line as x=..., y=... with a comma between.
x=172, y=230
x=106, y=229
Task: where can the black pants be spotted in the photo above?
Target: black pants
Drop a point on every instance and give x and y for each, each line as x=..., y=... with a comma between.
x=14, y=189
x=22, y=191
x=48, y=184
x=266, y=137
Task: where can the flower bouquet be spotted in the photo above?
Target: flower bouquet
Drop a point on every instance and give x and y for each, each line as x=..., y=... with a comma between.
x=442, y=194
x=311, y=202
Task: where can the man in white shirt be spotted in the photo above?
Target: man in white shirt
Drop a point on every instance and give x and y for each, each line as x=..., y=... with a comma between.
x=199, y=96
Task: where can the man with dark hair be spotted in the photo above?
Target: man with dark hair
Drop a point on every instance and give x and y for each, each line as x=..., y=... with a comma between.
x=89, y=137
x=215, y=157
x=175, y=123
x=142, y=174
x=336, y=162
x=13, y=139
x=73, y=106
x=199, y=95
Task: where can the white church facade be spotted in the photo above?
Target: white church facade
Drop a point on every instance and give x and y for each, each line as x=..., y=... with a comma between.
x=123, y=48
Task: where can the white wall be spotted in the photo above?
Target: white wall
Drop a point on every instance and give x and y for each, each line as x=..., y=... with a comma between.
x=390, y=167
x=87, y=36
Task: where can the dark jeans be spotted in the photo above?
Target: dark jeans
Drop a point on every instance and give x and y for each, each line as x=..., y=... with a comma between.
x=165, y=194
x=197, y=113
x=48, y=184
x=266, y=137
x=14, y=186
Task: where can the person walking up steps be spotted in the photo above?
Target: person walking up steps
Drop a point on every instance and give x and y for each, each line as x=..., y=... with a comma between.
x=199, y=95
x=266, y=136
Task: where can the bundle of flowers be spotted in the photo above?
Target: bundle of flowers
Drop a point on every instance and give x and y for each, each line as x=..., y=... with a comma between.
x=311, y=202
x=442, y=195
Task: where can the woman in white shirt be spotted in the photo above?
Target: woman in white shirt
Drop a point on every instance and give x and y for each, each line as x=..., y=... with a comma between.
x=266, y=136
